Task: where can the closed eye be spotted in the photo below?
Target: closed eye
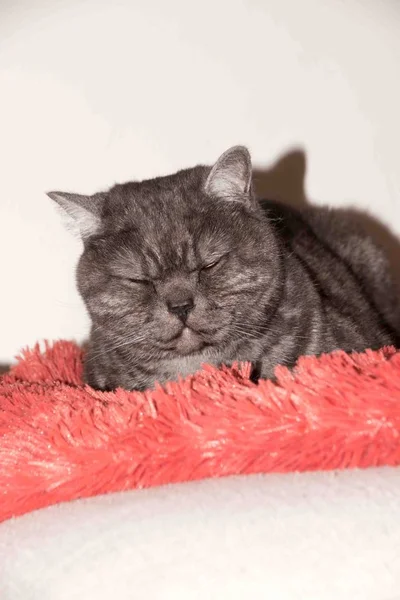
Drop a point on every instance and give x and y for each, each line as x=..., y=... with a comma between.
x=135, y=280
x=211, y=265
x=140, y=281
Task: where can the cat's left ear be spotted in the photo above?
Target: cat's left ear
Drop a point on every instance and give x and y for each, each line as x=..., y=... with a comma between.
x=231, y=176
x=82, y=214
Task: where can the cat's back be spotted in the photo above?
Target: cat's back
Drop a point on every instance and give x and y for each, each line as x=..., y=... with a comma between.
x=335, y=240
x=288, y=222
x=337, y=231
x=332, y=228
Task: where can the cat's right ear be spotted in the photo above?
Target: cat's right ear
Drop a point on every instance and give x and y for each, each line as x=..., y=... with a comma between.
x=82, y=214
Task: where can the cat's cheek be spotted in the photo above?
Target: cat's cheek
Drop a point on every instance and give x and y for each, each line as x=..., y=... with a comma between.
x=147, y=297
x=208, y=287
x=106, y=302
x=138, y=296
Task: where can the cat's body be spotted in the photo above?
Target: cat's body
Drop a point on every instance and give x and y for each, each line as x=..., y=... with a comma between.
x=192, y=269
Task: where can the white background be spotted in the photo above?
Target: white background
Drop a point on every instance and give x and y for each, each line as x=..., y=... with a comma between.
x=92, y=93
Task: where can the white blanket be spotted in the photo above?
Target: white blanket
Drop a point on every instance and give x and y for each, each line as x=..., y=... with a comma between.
x=322, y=536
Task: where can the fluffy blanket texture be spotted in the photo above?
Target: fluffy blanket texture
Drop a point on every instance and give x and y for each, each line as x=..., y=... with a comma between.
x=61, y=440
x=332, y=535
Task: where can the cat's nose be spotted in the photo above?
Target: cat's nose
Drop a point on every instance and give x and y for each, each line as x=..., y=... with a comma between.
x=181, y=309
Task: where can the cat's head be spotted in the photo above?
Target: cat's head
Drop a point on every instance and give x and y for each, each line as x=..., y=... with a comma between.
x=177, y=264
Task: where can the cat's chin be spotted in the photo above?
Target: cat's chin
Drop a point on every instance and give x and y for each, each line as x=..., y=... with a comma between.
x=189, y=342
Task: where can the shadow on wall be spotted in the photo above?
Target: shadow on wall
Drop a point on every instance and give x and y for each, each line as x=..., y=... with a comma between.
x=285, y=181
x=3, y=368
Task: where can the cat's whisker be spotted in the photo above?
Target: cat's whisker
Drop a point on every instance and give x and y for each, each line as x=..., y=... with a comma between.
x=112, y=347
x=245, y=333
x=249, y=329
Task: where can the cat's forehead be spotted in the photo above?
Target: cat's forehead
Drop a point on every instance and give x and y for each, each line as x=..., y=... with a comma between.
x=177, y=190
x=170, y=241
x=164, y=209
x=151, y=251
x=168, y=221
x=161, y=219
x=162, y=242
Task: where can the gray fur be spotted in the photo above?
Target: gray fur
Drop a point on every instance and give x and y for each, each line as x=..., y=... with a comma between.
x=191, y=268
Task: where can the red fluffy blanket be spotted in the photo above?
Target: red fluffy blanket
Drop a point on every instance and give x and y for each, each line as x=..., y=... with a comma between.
x=62, y=440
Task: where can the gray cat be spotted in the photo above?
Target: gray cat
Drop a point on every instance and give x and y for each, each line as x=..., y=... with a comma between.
x=191, y=268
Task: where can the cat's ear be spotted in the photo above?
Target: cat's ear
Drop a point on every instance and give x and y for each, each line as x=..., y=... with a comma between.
x=82, y=213
x=231, y=176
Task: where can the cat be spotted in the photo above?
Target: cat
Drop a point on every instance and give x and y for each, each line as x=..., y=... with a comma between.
x=192, y=268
